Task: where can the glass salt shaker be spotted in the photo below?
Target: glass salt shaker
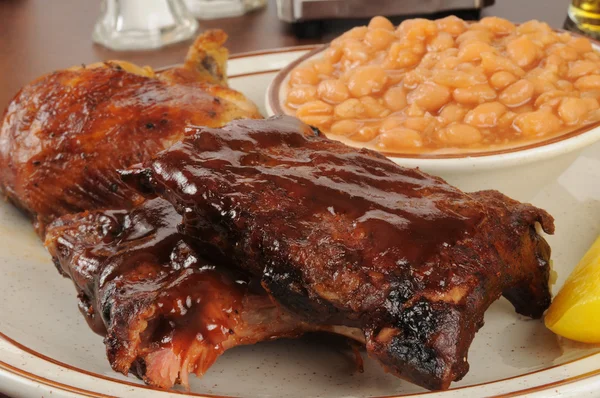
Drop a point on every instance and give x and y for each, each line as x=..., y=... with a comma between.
x=143, y=24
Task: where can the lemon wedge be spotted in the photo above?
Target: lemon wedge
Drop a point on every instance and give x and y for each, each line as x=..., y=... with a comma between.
x=575, y=311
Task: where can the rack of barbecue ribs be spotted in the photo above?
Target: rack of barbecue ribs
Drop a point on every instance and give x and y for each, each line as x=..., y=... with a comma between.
x=342, y=236
x=65, y=134
x=164, y=310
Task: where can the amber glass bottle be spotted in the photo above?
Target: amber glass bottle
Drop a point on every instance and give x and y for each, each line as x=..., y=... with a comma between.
x=585, y=14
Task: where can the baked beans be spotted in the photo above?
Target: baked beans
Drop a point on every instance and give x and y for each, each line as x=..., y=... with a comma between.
x=426, y=86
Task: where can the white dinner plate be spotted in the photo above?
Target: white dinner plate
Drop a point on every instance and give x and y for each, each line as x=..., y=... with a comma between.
x=47, y=348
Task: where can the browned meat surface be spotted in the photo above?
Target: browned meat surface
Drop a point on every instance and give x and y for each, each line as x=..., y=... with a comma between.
x=65, y=134
x=342, y=236
x=165, y=311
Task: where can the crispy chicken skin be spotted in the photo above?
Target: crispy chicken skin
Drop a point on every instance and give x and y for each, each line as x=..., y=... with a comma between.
x=65, y=134
x=345, y=236
x=165, y=312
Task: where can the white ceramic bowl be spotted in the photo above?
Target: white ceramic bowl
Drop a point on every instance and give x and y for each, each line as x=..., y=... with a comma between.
x=517, y=172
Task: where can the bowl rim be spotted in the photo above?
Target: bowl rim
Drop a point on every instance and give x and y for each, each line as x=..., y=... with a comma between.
x=578, y=138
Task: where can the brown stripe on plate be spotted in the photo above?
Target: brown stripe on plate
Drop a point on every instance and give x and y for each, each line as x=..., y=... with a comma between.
x=262, y=72
x=128, y=383
x=96, y=375
x=274, y=51
x=50, y=383
x=545, y=387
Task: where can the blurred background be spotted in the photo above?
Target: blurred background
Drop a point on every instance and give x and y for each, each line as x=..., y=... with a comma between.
x=37, y=36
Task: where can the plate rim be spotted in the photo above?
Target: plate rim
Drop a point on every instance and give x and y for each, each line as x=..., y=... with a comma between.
x=51, y=383
x=27, y=376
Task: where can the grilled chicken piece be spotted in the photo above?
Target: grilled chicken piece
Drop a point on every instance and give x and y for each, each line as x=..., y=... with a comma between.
x=345, y=236
x=164, y=310
x=65, y=134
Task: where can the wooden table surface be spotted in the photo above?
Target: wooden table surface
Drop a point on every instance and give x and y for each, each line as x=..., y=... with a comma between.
x=38, y=36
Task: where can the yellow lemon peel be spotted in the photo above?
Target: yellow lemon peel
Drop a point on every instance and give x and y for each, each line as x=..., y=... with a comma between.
x=575, y=311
